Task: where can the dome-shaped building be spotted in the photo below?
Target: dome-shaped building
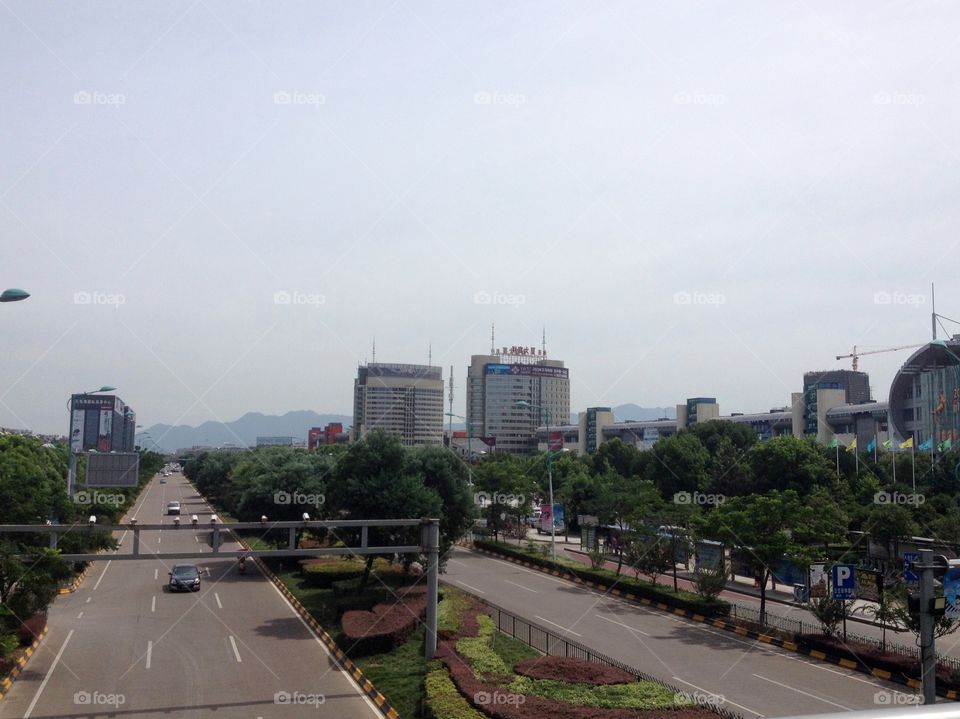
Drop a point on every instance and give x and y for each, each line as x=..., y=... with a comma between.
x=925, y=395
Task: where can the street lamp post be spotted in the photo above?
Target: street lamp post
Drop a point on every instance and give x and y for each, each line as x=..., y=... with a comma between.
x=72, y=458
x=468, y=424
x=553, y=517
x=13, y=295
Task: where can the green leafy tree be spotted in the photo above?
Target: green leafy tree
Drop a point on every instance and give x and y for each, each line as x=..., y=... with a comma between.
x=678, y=464
x=444, y=473
x=821, y=521
x=787, y=462
x=28, y=582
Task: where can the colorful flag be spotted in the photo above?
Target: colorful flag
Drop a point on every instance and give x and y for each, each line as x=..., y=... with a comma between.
x=873, y=444
x=926, y=445
x=907, y=444
x=853, y=445
x=833, y=443
x=945, y=445
x=888, y=444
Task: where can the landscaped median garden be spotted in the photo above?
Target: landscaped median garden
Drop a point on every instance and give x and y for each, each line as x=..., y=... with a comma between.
x=605, y=578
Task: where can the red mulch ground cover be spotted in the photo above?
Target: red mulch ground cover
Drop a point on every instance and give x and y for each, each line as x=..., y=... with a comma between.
x=568, y=669
x=29, y=630
x=387, y=626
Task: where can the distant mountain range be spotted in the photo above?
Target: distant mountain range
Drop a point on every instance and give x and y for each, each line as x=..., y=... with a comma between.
x=240, y=432
x=244, y=431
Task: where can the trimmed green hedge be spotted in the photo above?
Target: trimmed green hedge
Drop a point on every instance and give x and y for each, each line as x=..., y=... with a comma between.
x=685, y=600
x=444, y=701
x=324, y=574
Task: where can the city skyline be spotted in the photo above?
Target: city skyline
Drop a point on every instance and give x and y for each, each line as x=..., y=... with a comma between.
x=693, y=200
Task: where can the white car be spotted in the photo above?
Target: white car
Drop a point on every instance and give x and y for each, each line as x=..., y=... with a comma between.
x=173, y=507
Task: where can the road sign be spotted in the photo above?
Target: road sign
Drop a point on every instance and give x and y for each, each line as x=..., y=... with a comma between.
x=908, y=574
x=844, y=581
x=951, y=592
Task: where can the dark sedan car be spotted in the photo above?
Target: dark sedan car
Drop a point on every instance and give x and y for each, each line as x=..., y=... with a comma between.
x=185, y=577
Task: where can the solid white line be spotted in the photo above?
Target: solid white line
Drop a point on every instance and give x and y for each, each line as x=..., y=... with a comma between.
x=236, y=653
x=102, y=575
x=149, y=653
x=521, y=586
x=46, y=678
x=614, y=621
x=153, y=603
x=457, y=561
x=472, y=589
x=726, y=701
x=158, y=540
x=800, y=691
x=217, y=597
x=568, y=631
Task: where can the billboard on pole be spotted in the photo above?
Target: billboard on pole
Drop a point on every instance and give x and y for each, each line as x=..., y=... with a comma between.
x=76, y=430
x=114, y=469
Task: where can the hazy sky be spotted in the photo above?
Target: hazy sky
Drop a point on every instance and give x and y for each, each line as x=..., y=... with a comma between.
x=693, y=198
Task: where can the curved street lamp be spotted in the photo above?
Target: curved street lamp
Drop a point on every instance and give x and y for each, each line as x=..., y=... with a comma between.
x=13, y=295
x=72, y=465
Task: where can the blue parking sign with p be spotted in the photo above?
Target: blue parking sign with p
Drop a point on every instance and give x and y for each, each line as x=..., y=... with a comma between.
x=844, y=581
x=910, y=558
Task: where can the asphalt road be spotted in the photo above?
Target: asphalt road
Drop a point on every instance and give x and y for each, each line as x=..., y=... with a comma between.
x=123, y=646
x=744, y=675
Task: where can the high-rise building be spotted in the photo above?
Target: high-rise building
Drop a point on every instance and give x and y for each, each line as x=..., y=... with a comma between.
x=497, y=382
x=824, y=390
x=402, y=399
x=101, y=422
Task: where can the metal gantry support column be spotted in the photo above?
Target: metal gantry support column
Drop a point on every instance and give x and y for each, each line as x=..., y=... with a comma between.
x=928, y=652
x=431, y=543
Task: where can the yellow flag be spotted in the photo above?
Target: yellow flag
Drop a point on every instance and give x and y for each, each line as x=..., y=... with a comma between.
x=853, y=445
x=908, y=444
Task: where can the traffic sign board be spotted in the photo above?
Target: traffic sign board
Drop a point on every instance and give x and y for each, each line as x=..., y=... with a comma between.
x=844, y=581
x=908, y=574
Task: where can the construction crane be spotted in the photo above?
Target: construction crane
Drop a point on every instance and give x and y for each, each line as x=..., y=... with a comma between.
x=856, y=355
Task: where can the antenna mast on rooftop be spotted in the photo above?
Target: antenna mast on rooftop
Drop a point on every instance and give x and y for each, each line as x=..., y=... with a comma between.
x=374, y=360
x=492, y=340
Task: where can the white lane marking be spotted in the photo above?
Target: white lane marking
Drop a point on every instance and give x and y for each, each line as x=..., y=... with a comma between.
x=217, y=597
x=158, y=540
x=457, y=561
x=79, y=615
x=472, y=589
x=800, y=691
x=727, y=701
x=614, y=621
x=559, y=626
x=88, y=599
x=102, y=575
x=521, y=586
x=156, y=573
x=153, y=603
x=149, y=653
x=43, y=684
x=236, y=653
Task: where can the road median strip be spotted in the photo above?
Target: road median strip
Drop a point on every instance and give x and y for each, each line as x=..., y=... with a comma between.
x=21, y=662
x=733, y=627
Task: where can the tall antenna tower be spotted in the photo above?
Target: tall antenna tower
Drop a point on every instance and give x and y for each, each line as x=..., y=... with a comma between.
x=492, y=340
x=374, y=361
x=430, y=354
x=543, y=342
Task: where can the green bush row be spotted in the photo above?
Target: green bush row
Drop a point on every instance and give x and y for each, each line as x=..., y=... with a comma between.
x=606, y=579
x=444, y=701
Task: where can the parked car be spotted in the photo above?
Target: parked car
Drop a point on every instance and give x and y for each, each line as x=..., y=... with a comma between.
x=173, y=507
x=185, y=577
x=534, y=519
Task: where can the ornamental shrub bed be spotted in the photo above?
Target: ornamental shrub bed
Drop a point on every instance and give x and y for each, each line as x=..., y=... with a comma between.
x=683, y=600
x=30, y=629
x=443, y=701
x=386, y=627
x=323, y=574
x=569, y=669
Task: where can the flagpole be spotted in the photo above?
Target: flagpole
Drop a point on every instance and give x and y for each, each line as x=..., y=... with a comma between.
x=913, y=464
x=837, y=447
x=893, y=458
